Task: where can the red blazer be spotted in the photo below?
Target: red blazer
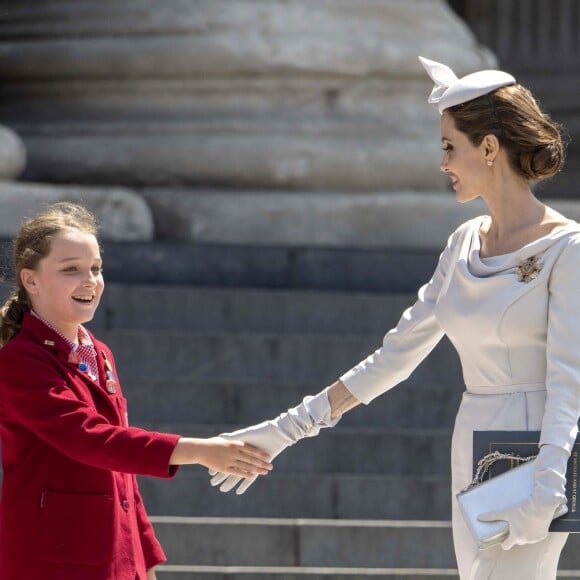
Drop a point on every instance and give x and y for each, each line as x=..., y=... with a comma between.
x=70, y=507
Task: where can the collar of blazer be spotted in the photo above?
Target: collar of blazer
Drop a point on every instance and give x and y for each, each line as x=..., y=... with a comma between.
x=42, y=333
x=45, y=336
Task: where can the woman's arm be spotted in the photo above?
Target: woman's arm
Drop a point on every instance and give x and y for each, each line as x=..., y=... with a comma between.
x=560, y=421
x=414, y=336
x=529, y=522
x=404, y=347
x=151, y=574
x=341, y=400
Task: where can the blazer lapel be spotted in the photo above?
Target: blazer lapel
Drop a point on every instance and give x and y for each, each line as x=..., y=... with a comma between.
x=52, y=341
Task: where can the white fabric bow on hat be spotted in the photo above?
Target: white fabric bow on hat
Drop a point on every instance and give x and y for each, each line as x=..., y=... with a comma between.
x=450, y=90
x=442, y=76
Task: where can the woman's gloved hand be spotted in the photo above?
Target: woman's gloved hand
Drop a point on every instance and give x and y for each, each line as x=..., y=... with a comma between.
x=275, y=435
x=529, y=521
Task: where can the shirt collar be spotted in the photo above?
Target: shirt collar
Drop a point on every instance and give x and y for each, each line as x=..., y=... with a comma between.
x=83, y=335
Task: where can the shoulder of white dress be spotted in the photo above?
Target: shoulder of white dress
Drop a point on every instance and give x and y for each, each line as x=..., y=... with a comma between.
x=572, y=235
x=568, y=247
x=466, y=228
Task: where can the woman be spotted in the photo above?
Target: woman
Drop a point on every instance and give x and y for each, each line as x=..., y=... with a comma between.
x=505, y=293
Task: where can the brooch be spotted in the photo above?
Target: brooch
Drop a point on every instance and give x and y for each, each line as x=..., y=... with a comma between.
x=529, y=269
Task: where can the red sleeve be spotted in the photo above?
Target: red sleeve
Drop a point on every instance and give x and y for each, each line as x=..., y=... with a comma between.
x=51, y=407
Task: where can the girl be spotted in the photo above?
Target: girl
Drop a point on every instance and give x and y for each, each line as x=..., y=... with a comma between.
x=70, y=507
x=505, y=292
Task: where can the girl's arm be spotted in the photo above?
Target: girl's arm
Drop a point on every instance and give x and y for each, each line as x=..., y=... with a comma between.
x=219, y=454
x=151, y=574
x=54, y=412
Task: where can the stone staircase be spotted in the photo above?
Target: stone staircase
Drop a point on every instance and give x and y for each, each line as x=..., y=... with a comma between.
x=369, y=498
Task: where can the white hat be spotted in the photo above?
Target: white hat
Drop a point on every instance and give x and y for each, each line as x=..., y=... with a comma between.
x=450, y=91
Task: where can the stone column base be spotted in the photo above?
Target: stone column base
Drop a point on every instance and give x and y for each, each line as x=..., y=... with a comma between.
x=404, y=219
x=311, y=219
x=123, y=215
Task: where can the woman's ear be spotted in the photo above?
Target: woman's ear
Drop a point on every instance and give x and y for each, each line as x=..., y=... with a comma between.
x=28, y=280
x=490, y=145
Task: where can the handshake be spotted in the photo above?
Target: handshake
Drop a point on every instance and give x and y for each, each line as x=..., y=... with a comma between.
x=275, y=435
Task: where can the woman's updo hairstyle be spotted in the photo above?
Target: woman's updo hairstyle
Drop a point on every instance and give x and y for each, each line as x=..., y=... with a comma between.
x=33, y=243
x=532, y=141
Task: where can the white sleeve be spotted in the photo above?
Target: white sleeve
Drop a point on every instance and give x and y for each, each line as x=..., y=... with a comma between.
x=560, y=421
x=406, y=345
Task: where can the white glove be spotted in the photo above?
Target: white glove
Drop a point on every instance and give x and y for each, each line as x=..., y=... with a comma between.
x=275, y=435
x=529, y=521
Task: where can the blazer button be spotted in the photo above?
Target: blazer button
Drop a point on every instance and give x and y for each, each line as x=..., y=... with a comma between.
x=125, y=505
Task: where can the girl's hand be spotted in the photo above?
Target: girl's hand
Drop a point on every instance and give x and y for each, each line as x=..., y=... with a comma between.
x=233, y=457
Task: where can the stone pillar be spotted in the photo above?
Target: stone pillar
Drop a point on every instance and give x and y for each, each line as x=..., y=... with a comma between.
x=233, y=95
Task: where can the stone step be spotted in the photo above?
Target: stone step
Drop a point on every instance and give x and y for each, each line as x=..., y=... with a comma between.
x=146, y=307
x=313, y=573
x=412, y=404
x=261, y=358
x=293, y=542
x=303, y=495
x=169, y=572
x=378, y=270
x=316, y=543
x=394, y=269
x=351, y=450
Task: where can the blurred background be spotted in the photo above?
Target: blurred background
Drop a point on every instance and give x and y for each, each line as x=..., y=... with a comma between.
x=266, y=174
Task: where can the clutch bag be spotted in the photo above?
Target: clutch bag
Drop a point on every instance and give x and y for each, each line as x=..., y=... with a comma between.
x=500, y=492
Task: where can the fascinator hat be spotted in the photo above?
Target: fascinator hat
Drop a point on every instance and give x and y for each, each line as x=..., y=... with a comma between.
x=450, y=90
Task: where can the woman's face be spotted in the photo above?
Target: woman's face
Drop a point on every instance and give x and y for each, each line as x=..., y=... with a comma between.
x=66, y=286
x=463, y=162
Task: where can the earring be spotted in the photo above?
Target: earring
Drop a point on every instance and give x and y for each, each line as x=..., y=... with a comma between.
x=489, y=163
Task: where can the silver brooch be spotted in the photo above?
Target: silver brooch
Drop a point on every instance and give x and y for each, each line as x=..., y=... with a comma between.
x=529, y=269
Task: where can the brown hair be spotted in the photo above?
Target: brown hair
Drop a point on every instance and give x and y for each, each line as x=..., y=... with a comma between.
x=532, y=141
x=32, y=244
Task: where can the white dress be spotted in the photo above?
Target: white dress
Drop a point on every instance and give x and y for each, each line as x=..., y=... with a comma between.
x=518, y=342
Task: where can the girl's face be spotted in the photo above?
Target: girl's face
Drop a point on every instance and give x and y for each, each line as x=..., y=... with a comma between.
x=66, y=287
x=463, y=162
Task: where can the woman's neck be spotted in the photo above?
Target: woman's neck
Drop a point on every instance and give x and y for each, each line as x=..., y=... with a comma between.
x=517, y=218
x=508, y=219
x=512, y=207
